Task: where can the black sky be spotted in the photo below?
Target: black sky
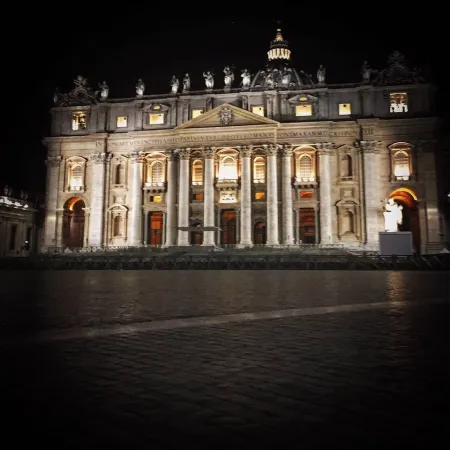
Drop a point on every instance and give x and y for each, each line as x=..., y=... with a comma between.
x=127, y=43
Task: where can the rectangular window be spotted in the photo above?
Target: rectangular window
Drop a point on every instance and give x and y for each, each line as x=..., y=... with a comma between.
x=345, y=109
x=156, y=119
x=122, y=121
x=259, y=110
x=196, y=113
x=398, y=102
x=197, y=197
x=156, y=199
x=260, y=195
x=12, y=237
x=79, y=121
x=303, y=110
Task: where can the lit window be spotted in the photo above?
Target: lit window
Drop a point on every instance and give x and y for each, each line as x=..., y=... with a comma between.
x=156, y=119
x=259, y=110
x=76, y=178
x=305, y=168
x=156, y=107
x=228, y=169
x=156, y=173
x=345, y=109
x=402, y=165
x=398, y=102
x=197, y=172
x=156, y=199
x=196, y=113
x=122, y=121
x=259, y=170
x=198, y=197
x=260, y=195
x=79, y=121
x=303, y=110
x=305, y=195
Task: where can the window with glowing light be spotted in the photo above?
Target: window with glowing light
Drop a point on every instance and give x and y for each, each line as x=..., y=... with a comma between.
x=196, y=113
x=79, y=121
x=197, y=197
x=122, y=121
x=259, y=110
x=398, y=102
x=156, y=119
x=304, y=168
x=305, y=195
x=228, y=169
x=260, y=195
x=303, y=110
x=259, y=170
x=76, y=178
x=156, y=199
x=402, y=165
x=197, y=172
x=345, y=109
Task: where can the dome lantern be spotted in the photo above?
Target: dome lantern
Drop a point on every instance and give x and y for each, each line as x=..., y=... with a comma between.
x=279, y=48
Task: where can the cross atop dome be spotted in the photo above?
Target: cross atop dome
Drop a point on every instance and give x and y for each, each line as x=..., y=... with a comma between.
x=279, y=48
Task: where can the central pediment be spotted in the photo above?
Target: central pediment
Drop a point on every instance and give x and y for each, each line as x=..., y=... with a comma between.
x=227, y=115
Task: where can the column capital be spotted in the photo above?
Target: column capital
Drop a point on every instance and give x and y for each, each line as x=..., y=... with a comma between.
x=136, y=157
x=286, y=149
x=53, y=161
x=271, y=149
x=324, y=148
x=171, y=155
x=427, y=146
x=369, y=146
x=100, y=158
x=208, y=152
x=184, y=153
x=246, y=151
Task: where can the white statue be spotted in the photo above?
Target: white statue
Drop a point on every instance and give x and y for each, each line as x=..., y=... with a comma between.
x=269, y=80
x=366, y=72
x=175, y=84
x=286, y=77
x=321, y=75
x=246, y=78
x=229, y=76
x=209, y=79
x=186, y=83
x=140, y=88
x=104, y=90
x=393, y=216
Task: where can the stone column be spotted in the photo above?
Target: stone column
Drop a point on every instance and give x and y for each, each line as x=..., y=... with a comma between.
x=135, y=199
x=98, y=165
x=296, y=227
x=272, y=196
x=183, y=197
x=371, y=154
x=171, y=200
x=246, y=198
x=208, y=196
x=326, y=217
x=288, y=226
x=51, y=201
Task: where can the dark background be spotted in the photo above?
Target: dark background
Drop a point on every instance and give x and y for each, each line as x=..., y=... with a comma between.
x=48, y=46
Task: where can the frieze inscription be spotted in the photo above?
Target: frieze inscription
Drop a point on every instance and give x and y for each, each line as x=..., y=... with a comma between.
x=316, y=134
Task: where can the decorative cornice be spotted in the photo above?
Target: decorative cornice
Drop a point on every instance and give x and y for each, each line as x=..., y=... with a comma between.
x=53, y=161
x=136, y=157
x=370, y=146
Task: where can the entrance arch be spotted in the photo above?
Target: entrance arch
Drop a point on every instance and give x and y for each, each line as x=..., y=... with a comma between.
x=408, y=199
x=155, y=228
x=196, y=236
x=259, y=233
x=73, y=222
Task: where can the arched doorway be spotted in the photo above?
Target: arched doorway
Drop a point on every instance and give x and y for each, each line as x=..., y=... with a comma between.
x=259, y=235
x=408, y=199
x=228, y=225
x=155, y=228
x=73, y=223
x=196, y=236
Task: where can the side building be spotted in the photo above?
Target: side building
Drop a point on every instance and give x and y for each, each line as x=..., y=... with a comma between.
x=283, y=159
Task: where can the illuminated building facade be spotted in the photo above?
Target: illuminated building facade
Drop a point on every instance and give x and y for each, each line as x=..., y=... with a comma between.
x=281, y=160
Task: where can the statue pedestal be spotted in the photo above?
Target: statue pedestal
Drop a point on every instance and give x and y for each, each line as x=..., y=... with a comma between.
x=398, y=243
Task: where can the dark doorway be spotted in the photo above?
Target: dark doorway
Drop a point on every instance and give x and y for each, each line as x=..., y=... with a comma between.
x=259, y=237
x=73, y=223
x=228, y=225
x=196, y=236
x=155, y=228
x=307, y=225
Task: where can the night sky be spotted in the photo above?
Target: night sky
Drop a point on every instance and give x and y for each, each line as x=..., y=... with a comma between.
x=121, y=46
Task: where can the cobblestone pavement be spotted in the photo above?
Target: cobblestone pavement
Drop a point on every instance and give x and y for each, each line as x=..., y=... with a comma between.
x=374, y=376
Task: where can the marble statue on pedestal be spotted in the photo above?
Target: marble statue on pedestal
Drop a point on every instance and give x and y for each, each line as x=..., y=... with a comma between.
x=209, y=79
x=104, y=90
x=286, y=77
x=229, y=76
x=186, y=83
x=321, y=75
x=175, y=84
x=140, y=88
x=366, y=72
x=393, y=216
x=246, y=78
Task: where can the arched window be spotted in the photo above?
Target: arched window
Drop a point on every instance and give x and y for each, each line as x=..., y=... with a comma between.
x=157, y=173
x=304, y=168
x=228, y=169
x=120, y=174
x=402, y=165
x=197, y=172
x=76, y=177
x=346, y=166
x=117, y=226
x=259, y=170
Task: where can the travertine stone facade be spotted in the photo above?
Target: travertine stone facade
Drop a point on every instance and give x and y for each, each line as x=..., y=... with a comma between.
x=284, y=162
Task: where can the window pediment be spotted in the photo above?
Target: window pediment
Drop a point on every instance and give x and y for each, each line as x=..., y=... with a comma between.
x=303, y=99
x=156, y=108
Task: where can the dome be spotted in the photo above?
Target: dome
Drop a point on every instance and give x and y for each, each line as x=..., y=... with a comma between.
x=278, y=72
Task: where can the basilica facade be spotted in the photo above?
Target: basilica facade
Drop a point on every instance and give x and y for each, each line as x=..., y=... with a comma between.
x=276, y=158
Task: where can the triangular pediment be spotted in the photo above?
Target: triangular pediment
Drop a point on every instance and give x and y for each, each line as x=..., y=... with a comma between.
x=227, y=115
